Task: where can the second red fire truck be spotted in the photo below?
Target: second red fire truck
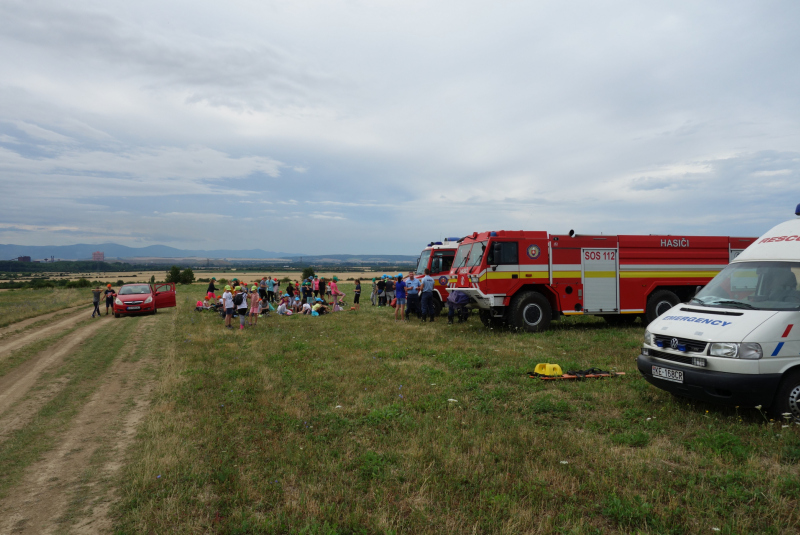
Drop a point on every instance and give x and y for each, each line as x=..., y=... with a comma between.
x=526, y=279
x=438, y=257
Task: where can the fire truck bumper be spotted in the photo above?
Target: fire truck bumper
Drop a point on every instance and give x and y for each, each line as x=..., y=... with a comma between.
x=479, y=299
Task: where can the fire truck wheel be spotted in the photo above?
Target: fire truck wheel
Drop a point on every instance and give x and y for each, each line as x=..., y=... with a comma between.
x=531, y=312
x=437, y=305
x=660, y=302
x=489, y=321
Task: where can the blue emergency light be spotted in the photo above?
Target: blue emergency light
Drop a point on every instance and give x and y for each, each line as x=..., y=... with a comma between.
x=493, y=234
x=453, y=239
x=797, y=210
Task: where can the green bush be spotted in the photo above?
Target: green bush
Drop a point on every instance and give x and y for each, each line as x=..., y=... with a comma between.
x=187, y=276
x=173, y=275
x=308, y=272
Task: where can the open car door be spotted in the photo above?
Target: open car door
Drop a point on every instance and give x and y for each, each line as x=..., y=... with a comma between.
x=165, y=294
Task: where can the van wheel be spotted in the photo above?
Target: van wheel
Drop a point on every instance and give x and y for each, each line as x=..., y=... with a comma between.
x=787, y=399
x=530, y=312
x=658, y=303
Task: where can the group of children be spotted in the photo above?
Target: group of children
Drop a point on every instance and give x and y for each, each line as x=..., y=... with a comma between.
x=248, y=302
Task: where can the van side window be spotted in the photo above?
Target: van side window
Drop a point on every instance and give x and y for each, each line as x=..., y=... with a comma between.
x=503, y=253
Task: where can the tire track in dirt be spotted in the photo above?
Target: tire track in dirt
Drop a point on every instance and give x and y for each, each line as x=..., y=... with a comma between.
x=18, y=381
x=37, y=334
x=38, y=503
x=14, y=327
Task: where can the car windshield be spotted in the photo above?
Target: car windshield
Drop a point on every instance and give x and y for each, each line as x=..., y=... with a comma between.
x=423, y=261
x=137, y=289
x=753, y=286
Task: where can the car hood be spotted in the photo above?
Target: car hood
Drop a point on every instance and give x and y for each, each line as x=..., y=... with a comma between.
x=709, y=324
x=133, y=296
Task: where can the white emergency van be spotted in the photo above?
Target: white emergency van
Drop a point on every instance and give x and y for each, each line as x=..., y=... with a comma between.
x=737, y=342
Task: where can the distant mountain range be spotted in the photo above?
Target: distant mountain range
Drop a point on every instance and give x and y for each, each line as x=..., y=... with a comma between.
x=83, y=251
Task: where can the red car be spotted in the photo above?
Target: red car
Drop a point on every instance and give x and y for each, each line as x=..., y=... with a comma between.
x=144, y=298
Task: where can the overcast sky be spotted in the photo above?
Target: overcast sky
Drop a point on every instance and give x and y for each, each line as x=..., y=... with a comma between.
x=377, y=126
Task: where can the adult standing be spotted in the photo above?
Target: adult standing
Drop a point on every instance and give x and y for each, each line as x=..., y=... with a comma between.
x=400, y=290
x=382, y=291
x=374, y=295
x=227, y=303
x=212, y=290
x=262, y=288
x=270, y=289
x=316, y=286
x=110, y=295
x=427, y=295
x=96, y=300
x=412, y=296
x=322, y=287
x=389, y=289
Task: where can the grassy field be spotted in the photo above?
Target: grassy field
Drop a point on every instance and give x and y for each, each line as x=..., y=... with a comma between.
x=352, y=423
x=17, y=305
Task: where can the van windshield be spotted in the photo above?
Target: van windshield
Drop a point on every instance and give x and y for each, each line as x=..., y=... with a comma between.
x=753, y=286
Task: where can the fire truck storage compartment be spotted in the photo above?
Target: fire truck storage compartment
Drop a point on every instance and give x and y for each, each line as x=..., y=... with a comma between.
x=600, y=277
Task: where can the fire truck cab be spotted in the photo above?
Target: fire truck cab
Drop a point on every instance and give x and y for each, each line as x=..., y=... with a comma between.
x=529, y=278
x=438, y=257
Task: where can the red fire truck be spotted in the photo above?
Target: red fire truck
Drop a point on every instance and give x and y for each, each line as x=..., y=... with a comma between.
x=438, y=257
x=529, y=278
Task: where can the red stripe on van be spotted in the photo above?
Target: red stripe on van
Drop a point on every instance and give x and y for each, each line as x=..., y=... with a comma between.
x=786, y=332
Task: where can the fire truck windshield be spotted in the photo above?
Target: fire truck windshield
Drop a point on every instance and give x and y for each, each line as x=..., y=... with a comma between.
x=469, y=254
x=423, y=261
x=461, y=255
x=476, y=254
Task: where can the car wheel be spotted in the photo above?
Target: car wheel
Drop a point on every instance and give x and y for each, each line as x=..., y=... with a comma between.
x=660, y=302
x=530, y=312
x=787, y=399
x=116, y=314
x=155, y=311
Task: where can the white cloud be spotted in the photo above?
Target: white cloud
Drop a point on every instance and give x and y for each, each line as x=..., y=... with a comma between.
x=542, y=115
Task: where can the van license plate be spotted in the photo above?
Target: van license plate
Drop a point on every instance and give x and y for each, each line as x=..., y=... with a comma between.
x=670, y=375
x=134, y=308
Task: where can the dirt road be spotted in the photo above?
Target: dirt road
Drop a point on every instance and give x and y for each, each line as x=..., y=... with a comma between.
x=69, y=485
